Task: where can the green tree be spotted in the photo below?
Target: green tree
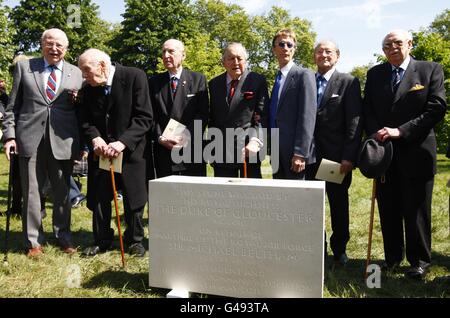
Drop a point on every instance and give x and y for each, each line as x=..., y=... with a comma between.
x=146, y=25
x=7, y=47
x=361, y=73
x=82, y=24
x=441, y=24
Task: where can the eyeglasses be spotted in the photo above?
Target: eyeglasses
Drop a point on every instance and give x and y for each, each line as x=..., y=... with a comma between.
x=49, y=45
x=282, y=44
x=389, y=45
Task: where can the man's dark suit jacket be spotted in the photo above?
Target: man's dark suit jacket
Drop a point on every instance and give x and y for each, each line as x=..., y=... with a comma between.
x=3, y=102
x=190, y=103
x=417, y=106
x=251, y=96
x=338, y=126
x=124, y=115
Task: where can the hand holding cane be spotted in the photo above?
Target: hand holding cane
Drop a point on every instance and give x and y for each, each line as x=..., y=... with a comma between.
x=372, y=212
x=8, y=207
x=116, y=205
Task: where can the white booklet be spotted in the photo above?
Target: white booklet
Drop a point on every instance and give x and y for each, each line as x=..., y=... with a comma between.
x=330, y=171
x=174, y=129
x=104, y=163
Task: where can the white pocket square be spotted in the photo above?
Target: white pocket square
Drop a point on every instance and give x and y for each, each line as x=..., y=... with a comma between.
x=190, y=95
x=334, y=95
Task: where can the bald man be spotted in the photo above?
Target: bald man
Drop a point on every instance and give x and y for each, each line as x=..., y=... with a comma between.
x=116, y=116
x=41, y=125
x=404, y=99
x=182, y=95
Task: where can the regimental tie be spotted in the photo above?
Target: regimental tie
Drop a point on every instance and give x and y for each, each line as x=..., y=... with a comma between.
x=397, y=74
x=173, y=85
x=51, y=83
x=233, y=85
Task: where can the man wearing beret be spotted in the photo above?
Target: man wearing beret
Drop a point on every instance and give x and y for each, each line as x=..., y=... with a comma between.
x=404, y=99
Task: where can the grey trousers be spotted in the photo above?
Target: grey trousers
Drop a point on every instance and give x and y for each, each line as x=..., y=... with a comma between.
x=34, y=172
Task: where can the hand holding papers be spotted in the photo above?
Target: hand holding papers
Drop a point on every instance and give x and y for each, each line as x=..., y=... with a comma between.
x=104, y=163
x=330, y=171
x=176, y=133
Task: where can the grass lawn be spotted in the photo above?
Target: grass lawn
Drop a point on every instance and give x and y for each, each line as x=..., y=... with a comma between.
x=53, y=274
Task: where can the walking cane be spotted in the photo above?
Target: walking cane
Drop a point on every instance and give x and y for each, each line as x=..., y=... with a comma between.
x=116, y=205
x=8, y=204
x=245, y=168
x=372, y=212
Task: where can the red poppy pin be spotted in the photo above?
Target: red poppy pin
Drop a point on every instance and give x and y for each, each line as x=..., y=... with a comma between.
x=248, y=95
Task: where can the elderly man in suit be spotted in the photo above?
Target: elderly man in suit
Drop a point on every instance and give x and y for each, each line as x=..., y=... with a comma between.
x=116, y=116
x=41, y=125
x=182, y=95
x=293, y=108
x=236, y=97
x=404, y=99
x=337, y=137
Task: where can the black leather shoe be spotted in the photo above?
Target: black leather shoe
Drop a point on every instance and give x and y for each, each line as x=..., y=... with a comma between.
x=93, y=250
x=417, y=272
x=136, y=249
x=341, y=260
x=76, y=202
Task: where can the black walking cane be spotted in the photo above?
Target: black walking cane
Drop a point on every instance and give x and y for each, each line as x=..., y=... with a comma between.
x=12, y=154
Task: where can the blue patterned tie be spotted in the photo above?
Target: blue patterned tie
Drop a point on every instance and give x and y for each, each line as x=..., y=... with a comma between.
x=274, y=100
x=321, y=84
x=396, y=78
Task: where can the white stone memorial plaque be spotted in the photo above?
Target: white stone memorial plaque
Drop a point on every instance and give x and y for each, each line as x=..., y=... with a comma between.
x=237, y=237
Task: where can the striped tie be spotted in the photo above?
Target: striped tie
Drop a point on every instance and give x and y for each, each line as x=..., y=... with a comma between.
x=51, y=84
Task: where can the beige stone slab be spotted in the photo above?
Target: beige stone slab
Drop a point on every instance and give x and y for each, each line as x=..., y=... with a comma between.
x=237, y=237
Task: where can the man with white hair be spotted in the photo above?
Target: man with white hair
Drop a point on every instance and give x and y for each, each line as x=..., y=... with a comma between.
x=404, y=99
x=116, y=115
x=238, y=96
x=182, y=95
x=41, y=126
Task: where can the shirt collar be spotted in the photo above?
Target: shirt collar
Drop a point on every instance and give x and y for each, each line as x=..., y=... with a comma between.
x=58, y=65
x=285, y=69
x=112, y=70
x=229, y=79
x=177, y=74
x=404, y=65
x=328, y=74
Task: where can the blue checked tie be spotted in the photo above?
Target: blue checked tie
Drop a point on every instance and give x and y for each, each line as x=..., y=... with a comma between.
x=274, y=100
x=321, y=85
x=51, y=83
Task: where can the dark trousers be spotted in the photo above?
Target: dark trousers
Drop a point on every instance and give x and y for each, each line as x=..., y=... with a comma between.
x=237, y=170
x=102, y=213
x=339, y=210
x=404, y=202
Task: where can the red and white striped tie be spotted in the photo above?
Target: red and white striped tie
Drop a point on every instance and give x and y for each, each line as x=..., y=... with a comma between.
x=51, y=84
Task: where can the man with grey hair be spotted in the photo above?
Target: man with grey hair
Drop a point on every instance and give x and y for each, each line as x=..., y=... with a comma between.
x=404, y=99
x=236, y=98
x=337, y=137
x=182, y=95
x=116, y=116
x=41, y=126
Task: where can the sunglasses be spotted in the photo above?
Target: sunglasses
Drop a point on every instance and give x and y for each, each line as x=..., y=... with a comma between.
x=282, y=44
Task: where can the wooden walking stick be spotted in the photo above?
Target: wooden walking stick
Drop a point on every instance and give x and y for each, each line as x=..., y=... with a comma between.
x=245, y=168
x=116, y=205
x=8, y=202
x=372, y=212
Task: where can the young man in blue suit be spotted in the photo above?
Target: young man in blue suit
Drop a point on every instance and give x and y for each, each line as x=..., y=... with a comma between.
x=292, y=110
